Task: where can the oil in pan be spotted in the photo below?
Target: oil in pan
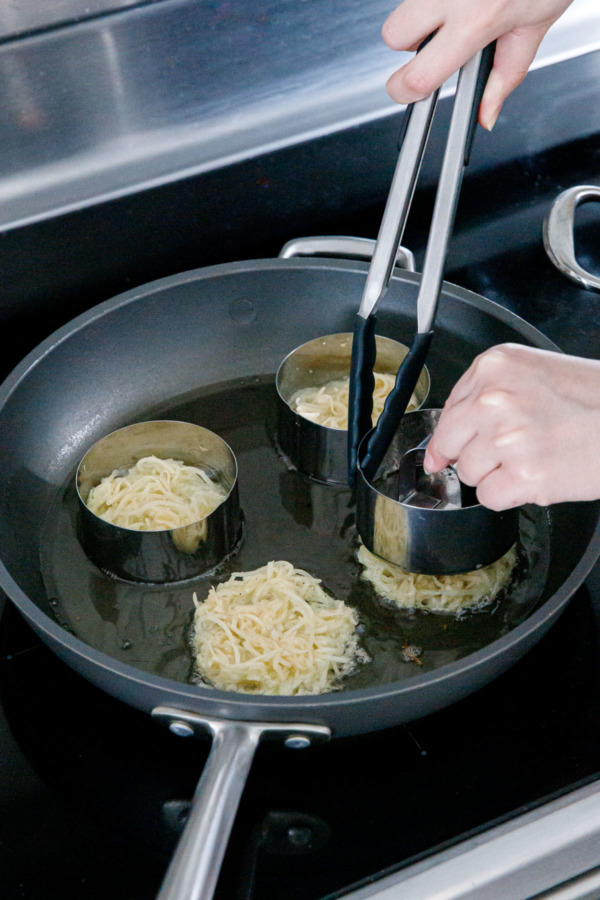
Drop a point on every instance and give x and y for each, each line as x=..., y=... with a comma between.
x=288, y=517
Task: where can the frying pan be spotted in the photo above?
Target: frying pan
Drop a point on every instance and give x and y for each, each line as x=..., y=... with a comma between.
x=145, y=353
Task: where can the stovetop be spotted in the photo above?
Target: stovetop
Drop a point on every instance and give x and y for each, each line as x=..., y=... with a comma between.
x=94, y=794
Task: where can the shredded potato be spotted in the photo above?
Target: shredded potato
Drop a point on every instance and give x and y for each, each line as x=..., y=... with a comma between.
x=155, y=495
x=437, y=593
x=328, y=405
x=274, y=631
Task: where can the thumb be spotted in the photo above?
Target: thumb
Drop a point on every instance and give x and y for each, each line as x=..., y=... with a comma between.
x=434, y=461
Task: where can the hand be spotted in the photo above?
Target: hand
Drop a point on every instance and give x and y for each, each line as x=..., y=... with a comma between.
x=463, y=28
x=523, y=426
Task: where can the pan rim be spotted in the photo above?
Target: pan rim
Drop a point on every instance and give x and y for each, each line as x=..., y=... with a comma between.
x=35, y=356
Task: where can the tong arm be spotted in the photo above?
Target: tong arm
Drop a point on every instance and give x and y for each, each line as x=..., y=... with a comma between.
x=471, y=82
x=398, y=204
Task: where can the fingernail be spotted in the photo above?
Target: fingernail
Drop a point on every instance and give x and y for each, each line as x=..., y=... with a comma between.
x=492, y=99
x=428, y=463
x=491, y=120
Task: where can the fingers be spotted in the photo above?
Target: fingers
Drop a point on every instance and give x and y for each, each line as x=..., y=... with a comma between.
x=436, y=62
x=434, y=461
x=515, y=52
x=410, y=24
x=454, y=431
x=462, y=30
x=456, y=427
x=498, y=490
x=480, y=422
x=490, y=368
x=485, y=464
x=522, y=425
x=455, y=421
x=477, y=460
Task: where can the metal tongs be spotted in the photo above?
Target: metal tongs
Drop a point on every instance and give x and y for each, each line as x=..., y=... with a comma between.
x=471, y=83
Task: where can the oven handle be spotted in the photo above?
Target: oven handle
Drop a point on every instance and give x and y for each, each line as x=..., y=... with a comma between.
x=345, y=247
x=196, y=864
x=558, y=228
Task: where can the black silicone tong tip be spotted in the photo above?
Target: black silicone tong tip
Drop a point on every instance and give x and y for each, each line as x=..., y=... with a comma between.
x=396, y=403
x=362, y=384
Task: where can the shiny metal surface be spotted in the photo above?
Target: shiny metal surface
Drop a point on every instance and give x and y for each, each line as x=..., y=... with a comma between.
x=155, y=92
x=418, y=488
x=398, y=204
x=19, y=18
x=432, y=540
x=558, y=231
x=316, y=450
x=343, y=247
x=551, y=852
x=194, y=869
x=583, y=887
x=160, y=556
x=446, y=198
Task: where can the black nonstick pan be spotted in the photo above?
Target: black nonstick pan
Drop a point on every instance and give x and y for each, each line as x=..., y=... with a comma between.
x=204, y=346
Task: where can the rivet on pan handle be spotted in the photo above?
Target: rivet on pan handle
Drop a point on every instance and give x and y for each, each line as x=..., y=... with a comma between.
x=558, y=234
x=194, y=869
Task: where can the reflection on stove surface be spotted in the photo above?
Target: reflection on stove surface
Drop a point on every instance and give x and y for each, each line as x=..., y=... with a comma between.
x=97, y=793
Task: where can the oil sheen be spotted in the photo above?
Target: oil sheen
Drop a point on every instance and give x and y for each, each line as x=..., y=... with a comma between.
x=289, y=517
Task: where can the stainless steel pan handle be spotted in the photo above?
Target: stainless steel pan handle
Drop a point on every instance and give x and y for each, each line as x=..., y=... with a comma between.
x=344, y=247
x=194, y=869
x=558, y=234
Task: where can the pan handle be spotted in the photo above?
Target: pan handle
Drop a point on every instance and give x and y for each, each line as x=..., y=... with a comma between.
x=558, y=234
x=194, y=869
x=340, y=246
